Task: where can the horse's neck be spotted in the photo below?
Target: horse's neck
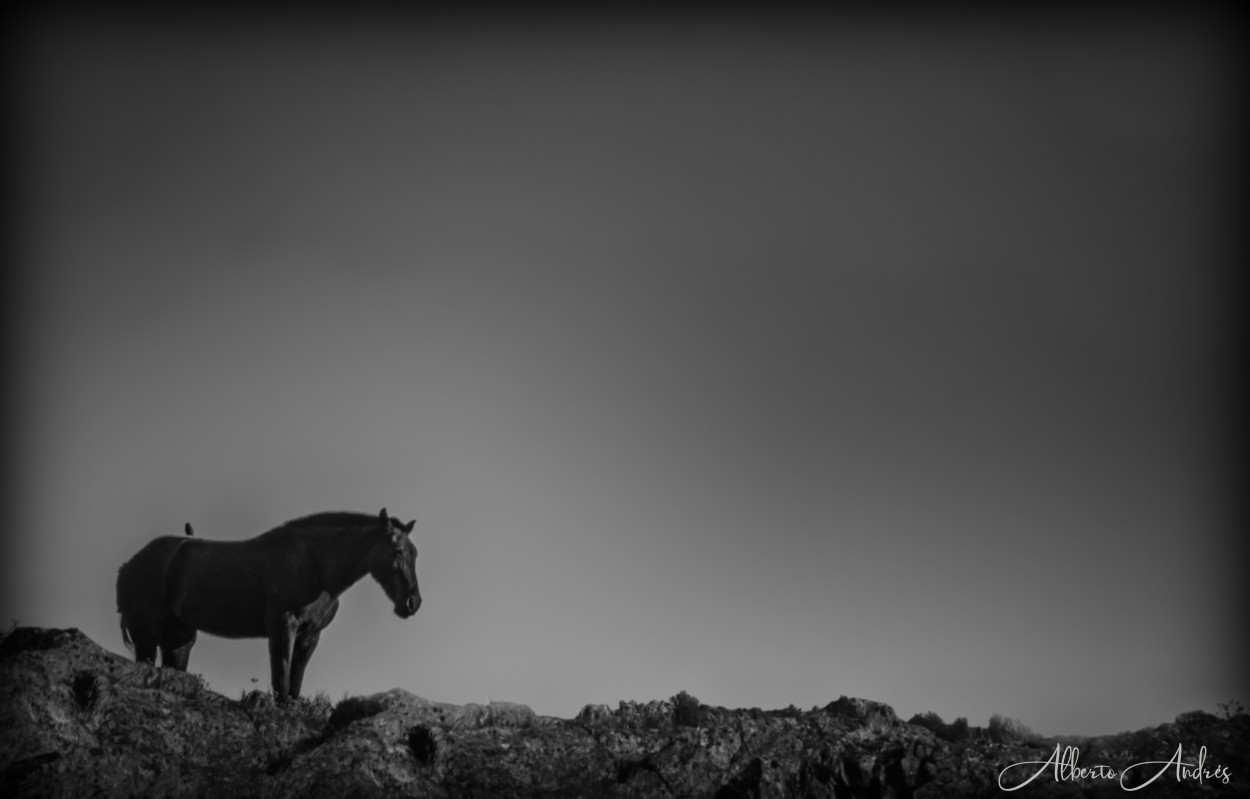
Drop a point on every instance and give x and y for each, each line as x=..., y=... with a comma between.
x=343, y=557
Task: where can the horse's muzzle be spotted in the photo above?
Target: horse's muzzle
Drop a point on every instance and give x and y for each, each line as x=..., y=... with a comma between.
x=410, y=606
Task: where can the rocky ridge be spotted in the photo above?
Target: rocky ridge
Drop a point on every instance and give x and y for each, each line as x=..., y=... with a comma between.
x=77, y=720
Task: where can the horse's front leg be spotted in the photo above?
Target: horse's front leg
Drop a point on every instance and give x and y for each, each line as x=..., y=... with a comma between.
x=305, y=643
x=281, y=637
x=316, y=617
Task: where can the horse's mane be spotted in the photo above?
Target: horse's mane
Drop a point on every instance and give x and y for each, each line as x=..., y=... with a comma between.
x=334, y=518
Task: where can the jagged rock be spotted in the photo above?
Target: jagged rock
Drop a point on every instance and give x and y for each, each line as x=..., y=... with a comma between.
x=876, y=716
x=77, y=720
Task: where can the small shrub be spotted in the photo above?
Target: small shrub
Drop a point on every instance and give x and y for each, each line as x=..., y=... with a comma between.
x=1005, y=730
x=189, y=685
x=685, y=710
x=316, y=710
x=1142, y=745
x=955, y=732
x=593, y=714
x=1231, y=709
x=958, y=730
x=256, y=699
x=931, y=722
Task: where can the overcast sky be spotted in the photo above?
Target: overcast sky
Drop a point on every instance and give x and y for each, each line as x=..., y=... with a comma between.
x=770, y=362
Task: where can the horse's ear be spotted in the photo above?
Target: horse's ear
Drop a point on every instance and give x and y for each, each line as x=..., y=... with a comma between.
x=407, y=528
x=385, y=519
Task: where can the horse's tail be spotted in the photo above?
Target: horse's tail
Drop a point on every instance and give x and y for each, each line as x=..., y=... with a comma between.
x=126, y=639
x=130, y=645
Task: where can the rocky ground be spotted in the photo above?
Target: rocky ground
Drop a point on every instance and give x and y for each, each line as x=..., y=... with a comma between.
x=77, y=720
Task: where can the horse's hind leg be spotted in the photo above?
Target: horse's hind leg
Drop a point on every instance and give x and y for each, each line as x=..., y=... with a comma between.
x=144, y=636
x=176, y=642
x=145, y=650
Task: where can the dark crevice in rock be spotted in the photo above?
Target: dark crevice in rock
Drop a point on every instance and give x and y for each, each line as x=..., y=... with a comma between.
x=279, y=764
x=423, y=744
x=14, y=774
x=86, y=689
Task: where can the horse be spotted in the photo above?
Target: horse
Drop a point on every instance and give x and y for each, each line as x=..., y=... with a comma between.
x=282, y=585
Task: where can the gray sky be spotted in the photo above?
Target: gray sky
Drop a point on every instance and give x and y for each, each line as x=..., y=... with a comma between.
x=770, y=363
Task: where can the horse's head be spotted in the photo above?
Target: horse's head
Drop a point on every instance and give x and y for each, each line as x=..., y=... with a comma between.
x=393, y=563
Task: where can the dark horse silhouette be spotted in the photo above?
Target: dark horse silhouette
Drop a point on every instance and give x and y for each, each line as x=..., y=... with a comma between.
x=282, y=585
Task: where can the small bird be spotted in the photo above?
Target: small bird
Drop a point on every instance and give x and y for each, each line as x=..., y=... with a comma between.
x=190, y=532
